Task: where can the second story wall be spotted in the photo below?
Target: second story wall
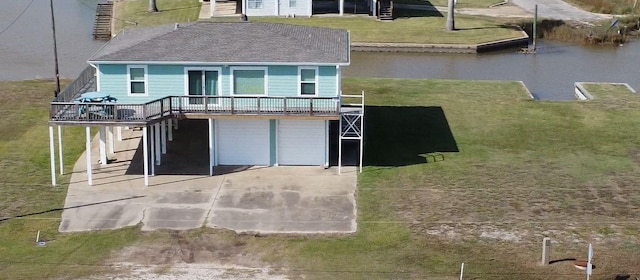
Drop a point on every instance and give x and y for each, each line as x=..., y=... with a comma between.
x=143, y=83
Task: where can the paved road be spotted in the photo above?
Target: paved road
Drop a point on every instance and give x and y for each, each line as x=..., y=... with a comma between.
x=558, y=9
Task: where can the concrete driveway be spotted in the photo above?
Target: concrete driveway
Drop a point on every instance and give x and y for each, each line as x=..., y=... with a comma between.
x=558, y=9
x=243, y=199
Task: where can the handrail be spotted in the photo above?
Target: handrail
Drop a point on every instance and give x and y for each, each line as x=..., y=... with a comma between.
x=180, y=105
x=70, y=91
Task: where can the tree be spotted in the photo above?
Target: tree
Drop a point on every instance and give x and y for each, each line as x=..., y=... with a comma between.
x=450, y=21
x=153, y=8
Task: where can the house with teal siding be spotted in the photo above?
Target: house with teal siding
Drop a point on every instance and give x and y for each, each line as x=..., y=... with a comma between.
x=268, y=90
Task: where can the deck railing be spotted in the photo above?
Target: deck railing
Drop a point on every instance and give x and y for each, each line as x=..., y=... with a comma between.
x=184, y=105
x=69, y=92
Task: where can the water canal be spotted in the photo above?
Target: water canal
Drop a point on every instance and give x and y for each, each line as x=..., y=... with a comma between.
x=26, y=53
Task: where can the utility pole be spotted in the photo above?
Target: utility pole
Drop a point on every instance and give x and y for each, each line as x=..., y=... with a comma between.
x=55, y=51
x=535, y=28
x=451, y=26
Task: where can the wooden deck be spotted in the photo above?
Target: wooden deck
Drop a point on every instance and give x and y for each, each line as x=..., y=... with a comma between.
x=74, y=113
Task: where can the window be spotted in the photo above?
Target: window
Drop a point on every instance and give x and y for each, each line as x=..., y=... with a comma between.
x=137, y=77
x=308, y=81
x=254, y=4
x=249, y=81
x=293, y=3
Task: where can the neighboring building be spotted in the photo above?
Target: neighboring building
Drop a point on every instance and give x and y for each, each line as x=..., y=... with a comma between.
x=268, y=90
x=296, y=8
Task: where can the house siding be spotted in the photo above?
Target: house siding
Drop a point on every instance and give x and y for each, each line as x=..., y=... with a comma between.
x=268, y=9
x=327, y=80
x=302, y=8
x=169, y=80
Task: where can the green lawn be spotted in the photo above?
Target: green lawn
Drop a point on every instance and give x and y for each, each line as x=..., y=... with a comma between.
x=28, y=202
x=130, y=12
x=411, y=27
x=426, y=30
x=512, y=171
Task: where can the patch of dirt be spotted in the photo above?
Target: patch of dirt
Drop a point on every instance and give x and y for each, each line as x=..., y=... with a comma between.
x=181, y=255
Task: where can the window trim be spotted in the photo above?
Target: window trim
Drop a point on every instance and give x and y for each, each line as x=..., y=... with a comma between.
x=145, y=80
x=232, y=84
x=316, y=80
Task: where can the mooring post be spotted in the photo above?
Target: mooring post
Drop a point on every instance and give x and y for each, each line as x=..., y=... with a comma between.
x=546, y=250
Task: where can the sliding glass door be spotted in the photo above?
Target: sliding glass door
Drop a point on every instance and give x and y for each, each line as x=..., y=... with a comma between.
x=202, y=83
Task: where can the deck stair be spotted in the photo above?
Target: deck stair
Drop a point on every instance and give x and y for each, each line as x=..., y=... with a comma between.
x=385, y=10
x=225, y=8
x=102, y=24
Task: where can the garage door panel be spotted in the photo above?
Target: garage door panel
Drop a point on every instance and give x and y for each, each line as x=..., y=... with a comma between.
x=301, y=142
x=243, y=142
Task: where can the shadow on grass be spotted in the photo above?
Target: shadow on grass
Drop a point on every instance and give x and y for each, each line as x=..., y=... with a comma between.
x=562, y=260
x=414, y=8
x=72, y=207
x=409, y=13
x=400, y=136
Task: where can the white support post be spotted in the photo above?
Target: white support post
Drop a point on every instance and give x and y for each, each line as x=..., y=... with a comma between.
x=341, y=7
x=176, y=124
x=156, y=129
x=340, y=146
x=362, y=133
x=145, y=154
x=153, y=150
x=52, y=152
x=110, y=138
x=326, y=144
x=163, y=136
x=120, y=133
x=170, y=129
x=88, y=153
x=211, y=150
x=60, y=150
x=103, y=145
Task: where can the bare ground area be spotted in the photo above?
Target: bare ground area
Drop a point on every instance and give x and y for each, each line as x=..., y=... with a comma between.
x=183, y=255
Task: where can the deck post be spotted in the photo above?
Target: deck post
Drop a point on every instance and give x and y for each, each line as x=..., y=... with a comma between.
x=163, y=136
x=88, y=154
x=60, y=150
x=341, y=7
x=156, y=131
x=152, y=149
x=110, y=144
x=145, y=154
x=177, y=122
x=170, y=129
x=211, y=150
x=52, y=154
x=103, y=145
x=119, y=132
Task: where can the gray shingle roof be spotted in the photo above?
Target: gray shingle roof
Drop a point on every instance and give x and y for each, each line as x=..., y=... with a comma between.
x=228, y=42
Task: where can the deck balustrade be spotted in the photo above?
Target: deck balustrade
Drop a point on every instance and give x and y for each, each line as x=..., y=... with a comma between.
x=66, y=112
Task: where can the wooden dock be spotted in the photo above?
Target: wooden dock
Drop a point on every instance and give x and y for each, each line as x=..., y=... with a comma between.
x=102, y=24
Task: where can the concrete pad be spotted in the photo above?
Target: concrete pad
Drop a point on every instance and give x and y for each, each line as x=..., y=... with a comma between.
x=286, y=200
x=243, y=199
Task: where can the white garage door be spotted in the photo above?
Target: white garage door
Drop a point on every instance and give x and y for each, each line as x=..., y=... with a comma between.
x=243, y=142
x=301, y=142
